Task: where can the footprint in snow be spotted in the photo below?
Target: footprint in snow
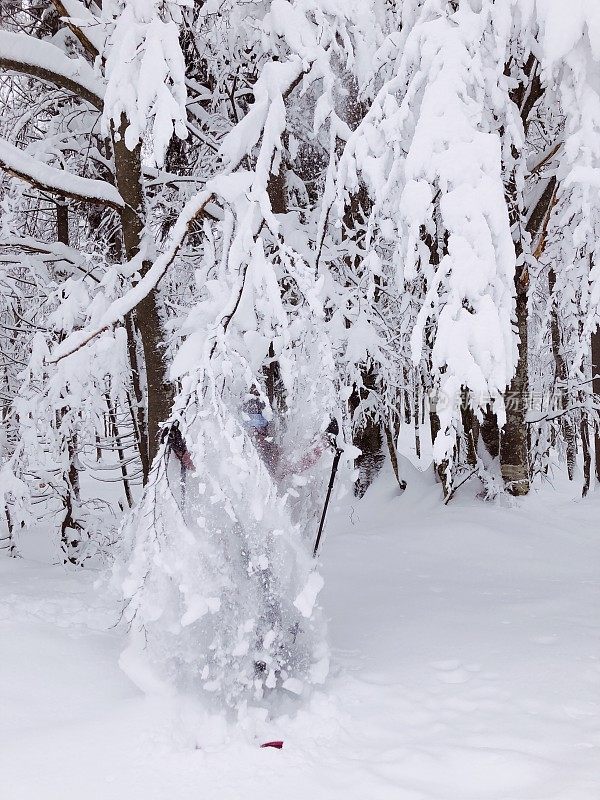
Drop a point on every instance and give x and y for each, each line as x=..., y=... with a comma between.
x=450, y=671
x=456, y=676
x=449, y=664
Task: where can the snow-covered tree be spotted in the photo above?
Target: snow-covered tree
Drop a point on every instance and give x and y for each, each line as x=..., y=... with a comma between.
x=378, y=212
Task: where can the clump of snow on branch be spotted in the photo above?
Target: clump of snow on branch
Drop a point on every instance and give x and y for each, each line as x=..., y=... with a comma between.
x=145, y=73
x=443, y=183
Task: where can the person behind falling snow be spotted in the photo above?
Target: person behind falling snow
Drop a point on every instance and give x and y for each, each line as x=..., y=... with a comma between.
x=260, y=431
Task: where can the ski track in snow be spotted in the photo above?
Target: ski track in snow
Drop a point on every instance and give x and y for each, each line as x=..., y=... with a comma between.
x=466, y=667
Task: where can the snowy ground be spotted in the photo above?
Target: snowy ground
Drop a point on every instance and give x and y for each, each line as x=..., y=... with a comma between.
x=467, y=667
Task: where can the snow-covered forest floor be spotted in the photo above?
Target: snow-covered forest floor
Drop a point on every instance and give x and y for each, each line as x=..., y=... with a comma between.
x=466, y=666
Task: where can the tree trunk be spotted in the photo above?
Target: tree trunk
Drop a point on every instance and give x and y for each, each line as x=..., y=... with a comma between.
x=272, y=371
x=596, y=391
x=470, y=429
x=159, y=392
x=368, y=434
x=441, y=467
x=587, y=454
x=416, y=422
x=561, y=376
x=367, y=437
x=514, y=439
x=514, y=450
x=392, y=431
x=8, y=542
x=112, y=416
x=138, y=409
x=490, y=433
x=70, y=532
x=62, y=221
x=70, y=527
x=436, y=244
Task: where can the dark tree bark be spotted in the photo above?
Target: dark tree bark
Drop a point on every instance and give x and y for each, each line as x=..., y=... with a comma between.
x=8, y=542
x=114, y=431
x=561, y=375
x=272, y=371
x=138, y=407
x=62, y=221
x=514, y=438
x=587, y=453
x=369, y=439
x=514, y=445
x=436, y=246
x=368, y=435
x=416, y=422
x=441, y=467
x=70, y=532
x=71, y=528
x=470, y=429
x=392, y=431
x=159, y=391
x=596, y=391
x=490, y=432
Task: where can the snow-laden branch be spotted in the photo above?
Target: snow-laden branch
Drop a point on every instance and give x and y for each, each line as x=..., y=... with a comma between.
x=275, y=83
x=145, y=77
x=119, y=308
x=28, y=56
x=50, y=179
x=84, y=25
x=55, y=251
x=445, y=182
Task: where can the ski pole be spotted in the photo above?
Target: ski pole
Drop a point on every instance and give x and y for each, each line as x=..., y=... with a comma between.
x=334, y=467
